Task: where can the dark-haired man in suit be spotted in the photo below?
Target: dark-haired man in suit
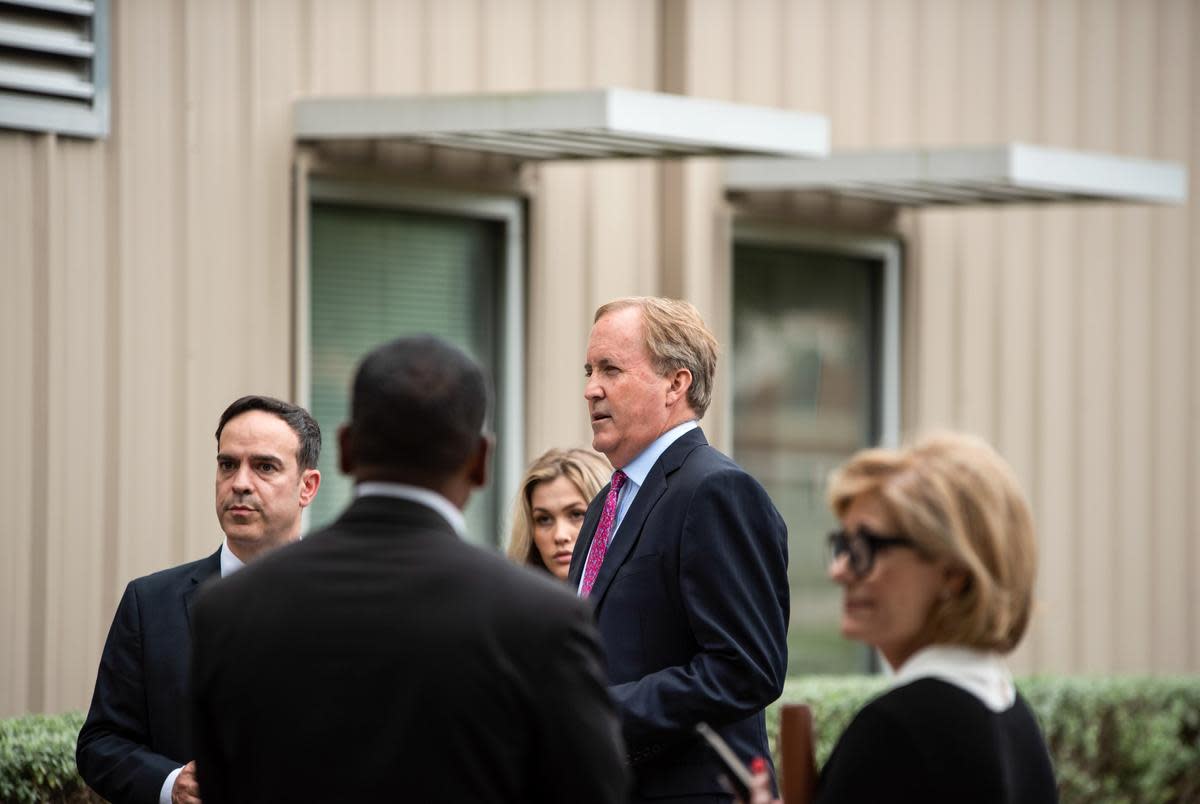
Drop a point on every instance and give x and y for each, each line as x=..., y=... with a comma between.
x=136, y=744
x=384, y=658
x=682, y=555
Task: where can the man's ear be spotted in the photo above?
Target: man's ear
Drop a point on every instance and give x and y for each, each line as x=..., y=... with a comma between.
x=681, y=381
x=310, y=481
x=346, y=458
x=477, y=470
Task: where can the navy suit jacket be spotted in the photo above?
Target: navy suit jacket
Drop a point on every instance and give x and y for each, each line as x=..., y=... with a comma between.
x=692, y=606
x=138, y=728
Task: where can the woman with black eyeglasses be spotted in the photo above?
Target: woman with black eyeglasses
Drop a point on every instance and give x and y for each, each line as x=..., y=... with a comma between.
x=936, y=558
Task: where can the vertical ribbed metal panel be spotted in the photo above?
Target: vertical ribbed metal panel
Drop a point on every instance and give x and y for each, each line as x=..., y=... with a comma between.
x=1016, y=267
x=1053, y=482
x=593, y=232
x=148, y=278
x=20, y=223
x=1174, y=520
x=1137, y=270
x=1060, y=334
x=1188, y=433
x=1095, y=424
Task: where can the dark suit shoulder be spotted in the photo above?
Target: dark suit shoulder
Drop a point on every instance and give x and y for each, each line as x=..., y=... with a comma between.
x=709, y=473
x=699, y=459
x=531, y=595
x=172, y=577
x=407, y=540
x=529, y=600
x=716, y=466
x=937, y=742
x=909, y=707
x=945, y=718
x=911, y=701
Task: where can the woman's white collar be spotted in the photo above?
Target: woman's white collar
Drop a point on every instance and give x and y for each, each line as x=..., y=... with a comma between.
x=982, y=674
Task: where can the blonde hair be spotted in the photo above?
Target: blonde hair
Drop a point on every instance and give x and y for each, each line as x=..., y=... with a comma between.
x=677, y=338
x=957, y=499
x=587, y=471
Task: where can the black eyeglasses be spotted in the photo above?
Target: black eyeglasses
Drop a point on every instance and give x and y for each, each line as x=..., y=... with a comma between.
x=861, y=546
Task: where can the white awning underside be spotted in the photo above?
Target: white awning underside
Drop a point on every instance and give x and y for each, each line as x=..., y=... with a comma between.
x=586, y=124
x=1013, y=173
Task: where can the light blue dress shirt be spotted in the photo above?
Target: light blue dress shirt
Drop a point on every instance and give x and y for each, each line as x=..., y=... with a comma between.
x=637, y=470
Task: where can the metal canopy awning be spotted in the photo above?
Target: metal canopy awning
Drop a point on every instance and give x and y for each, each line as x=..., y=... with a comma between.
x=1013, y=173
x=586, y=124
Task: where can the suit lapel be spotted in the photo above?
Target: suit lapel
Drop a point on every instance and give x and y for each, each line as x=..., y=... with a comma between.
x=630, y=530
x=204, y=570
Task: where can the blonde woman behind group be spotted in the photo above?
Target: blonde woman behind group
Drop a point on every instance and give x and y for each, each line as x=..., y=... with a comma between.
x=936, y=559
x=550, y=505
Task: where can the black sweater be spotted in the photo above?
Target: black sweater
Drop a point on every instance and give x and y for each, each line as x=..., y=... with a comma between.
x=930, y=741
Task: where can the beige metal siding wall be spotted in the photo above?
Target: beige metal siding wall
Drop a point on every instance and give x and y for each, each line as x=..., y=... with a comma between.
x=18, y=393
x=1061, y=334
x=147, y=278
x=55, y=404
x=593, y=228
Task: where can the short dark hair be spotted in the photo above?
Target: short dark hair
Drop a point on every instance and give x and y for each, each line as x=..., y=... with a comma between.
x=307, y=431
x=417, y=406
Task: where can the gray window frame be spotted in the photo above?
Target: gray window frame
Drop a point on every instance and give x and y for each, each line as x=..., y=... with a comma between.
x=885, y=249
x=889, y=251
x=507, y=417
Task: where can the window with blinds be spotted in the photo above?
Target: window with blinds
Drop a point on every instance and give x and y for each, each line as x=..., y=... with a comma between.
x=807, y=392
x=54, y=66
x=381, y=273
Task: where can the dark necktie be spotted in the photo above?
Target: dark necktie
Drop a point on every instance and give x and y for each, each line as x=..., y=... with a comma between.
x=603, y=533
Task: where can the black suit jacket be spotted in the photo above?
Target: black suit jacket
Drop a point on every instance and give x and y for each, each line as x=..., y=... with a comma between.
x=384, y=659
x=137, y=730
x=692, y=605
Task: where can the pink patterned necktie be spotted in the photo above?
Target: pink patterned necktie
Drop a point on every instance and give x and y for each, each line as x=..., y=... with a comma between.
x=603, y=533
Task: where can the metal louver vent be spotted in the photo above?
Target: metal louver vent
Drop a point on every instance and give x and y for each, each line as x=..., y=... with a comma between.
x=54, y=66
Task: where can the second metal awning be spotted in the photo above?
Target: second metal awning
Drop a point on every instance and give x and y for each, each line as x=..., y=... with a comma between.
x=584, y=124
x=1013, y=173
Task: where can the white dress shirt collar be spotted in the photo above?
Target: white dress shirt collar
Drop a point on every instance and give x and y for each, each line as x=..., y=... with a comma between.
x=983, y=674
x=229, y=562
x=426, y=497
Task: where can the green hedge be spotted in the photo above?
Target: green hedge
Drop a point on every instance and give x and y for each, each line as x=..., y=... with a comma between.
x=1112, y=739
x=37, y=760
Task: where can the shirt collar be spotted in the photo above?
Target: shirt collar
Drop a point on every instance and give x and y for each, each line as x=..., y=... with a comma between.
x=229, y=562
x=426, y=497
x=637, y=469
x=980, y=673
